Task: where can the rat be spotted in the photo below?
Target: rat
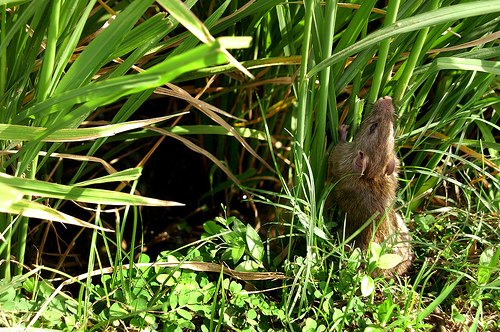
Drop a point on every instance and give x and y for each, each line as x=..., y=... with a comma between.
x=364, y=174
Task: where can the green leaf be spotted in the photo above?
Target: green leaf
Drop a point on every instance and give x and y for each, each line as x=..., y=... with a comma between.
x=247, y=266
x=252, y=314
x=354, y=260
x=140, y=40
x=173, y=300
x=389, y=261
x=237, y=252
x=116, y=310
x=184, y=314
x=168, y=279
x=149, y=318
x=212, y=228
x=139, y=304
x=9, y=196
x=237, y=226
x=186, y=286
x=143, y=258
x=375, y=250
x=182, y=14
x=233, y=239
x=7, y=294
x=217, y=130
x=373, y=329
x=488, y=261
x=235, y=287
x=456, y=316
x=367, y=286
x=254, y=243
x=36, y=210
x=194, y=297
x=310, y=326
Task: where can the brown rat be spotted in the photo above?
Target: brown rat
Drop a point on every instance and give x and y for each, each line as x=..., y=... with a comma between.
x=364, y=174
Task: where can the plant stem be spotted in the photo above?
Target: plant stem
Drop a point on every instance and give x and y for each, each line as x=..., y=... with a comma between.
x=50, y=52
x=318, y=157
x=304, y=80
x=378, y=76
x=3, y=54
x=412, y=61
x=303, y=91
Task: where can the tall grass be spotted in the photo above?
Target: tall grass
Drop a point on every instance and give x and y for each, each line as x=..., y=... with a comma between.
x=268, y=112
x=51, y=84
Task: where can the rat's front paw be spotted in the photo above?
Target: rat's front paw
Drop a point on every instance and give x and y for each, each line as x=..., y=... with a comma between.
x=343, y=132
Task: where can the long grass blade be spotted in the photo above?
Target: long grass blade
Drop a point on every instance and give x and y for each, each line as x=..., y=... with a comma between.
x=86, y=195
x=27, y=133
x=417, y=22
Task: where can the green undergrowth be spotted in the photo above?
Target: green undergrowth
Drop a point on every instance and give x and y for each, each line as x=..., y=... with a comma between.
x=182, y=289
x=90, y=91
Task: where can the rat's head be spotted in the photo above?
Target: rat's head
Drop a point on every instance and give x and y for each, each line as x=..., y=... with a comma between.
x=374, y=142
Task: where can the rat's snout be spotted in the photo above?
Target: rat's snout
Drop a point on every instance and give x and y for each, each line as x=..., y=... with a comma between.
x=384, y=104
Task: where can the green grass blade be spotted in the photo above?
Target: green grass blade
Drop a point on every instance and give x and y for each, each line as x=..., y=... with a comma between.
x=420, y=21
x=50, y=52
x=87, y=195
x=67, y=47
x=217, y=130
x=444, y=294
x=410, y=64
x=12, y=202
x=126, y=175
x=181, y=13
x=380, y=67
x=452, y=63
x=105, y=92
x=12, y=2
x=145, y=35
x=27, y=133
x=318, y=156
x=304, y=82
x=351, y=33
x=99, y=51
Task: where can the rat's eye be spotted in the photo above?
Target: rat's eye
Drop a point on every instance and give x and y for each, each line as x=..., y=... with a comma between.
x=373, y=127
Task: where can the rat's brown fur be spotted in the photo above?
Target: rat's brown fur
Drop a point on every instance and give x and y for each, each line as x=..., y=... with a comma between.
x=364, y=174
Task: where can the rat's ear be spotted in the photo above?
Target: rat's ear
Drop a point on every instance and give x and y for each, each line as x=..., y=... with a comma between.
x=389, y=168
x=359, y=163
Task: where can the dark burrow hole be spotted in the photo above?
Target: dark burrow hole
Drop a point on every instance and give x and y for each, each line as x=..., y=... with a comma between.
x=173, y=173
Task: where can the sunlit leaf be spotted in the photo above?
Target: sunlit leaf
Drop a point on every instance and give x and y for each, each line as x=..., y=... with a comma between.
x=28, y=133
x=254, y=243
x=367, y=285
x=87, y=195
x=389, y=261
x=12, y=201
x=247, y=266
